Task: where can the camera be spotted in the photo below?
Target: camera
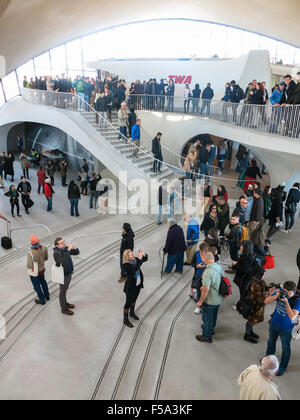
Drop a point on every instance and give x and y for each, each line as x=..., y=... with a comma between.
x=283, y=294
x=268, y=241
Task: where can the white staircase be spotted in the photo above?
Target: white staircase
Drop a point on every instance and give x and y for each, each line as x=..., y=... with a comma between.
x=144, y=160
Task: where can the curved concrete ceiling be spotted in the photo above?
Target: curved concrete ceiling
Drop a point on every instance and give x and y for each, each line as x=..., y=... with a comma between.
x=31, y=27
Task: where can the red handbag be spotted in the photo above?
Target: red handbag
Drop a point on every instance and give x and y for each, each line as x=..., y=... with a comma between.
x=269, y=262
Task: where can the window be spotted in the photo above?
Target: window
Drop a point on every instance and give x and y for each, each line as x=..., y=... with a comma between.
x=42, y=65
x=90, y=47
x=2, y=100
x=10, y=86
x=234, y=42
x=250, y=42
x=74, y=58
x=285, y=53
x=58, y=61
x=26, y=70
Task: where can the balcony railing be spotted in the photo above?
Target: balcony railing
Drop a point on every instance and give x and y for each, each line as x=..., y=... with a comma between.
x=275, y=120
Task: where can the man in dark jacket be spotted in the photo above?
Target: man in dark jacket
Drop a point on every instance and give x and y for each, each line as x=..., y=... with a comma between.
x=294, y=99
x=161, y=92
x=234, y=239
x=24, y=188
x=93, y=190
x=127, y=243
x=237, y=94
x=241, y=208
x=156, y=150
x=62, y=257
x=207, y=96
x=163, y=202
x=257, y=213
x=275, y=215
x=223, y=214
x=175, y=248
x=291, y=207
x=288, y=93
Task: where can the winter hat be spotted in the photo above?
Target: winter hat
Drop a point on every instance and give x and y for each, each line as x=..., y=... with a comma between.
x=48, y=181
x=34, y=240
x=283, y=184
x=127, y=227
x=282, y=84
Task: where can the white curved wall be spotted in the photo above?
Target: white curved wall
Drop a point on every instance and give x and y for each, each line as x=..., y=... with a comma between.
x=254, y=65
x=280, y=154
x=18, y=110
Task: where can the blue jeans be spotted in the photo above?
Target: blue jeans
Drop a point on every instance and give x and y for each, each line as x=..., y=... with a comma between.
x=63, y=180
x=81, y=95
x=203, y=169
x=177, y=202
x=74, y=206
x=285, y=337
x=205, y=104
x=209, y=318
x=173, y=260
x=50, y=203
x=41, y=287
x=165, y=208
x=123, y=131
x=170, y=107
x=93, y=199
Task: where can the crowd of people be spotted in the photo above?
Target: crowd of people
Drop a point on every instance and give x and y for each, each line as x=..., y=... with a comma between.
x=104, y=95
x=86, y=184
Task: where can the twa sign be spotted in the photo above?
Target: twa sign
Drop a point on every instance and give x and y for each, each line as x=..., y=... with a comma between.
x=187, y=80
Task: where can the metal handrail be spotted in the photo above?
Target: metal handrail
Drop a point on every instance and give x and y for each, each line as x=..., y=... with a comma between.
x=33, y=226
x=97, y=234
x=74, y=102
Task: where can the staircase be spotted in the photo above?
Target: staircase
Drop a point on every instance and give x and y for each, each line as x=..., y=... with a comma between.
x=144, y=160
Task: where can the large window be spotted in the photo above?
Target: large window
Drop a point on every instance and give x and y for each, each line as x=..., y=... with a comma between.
x=26, y=70
x=74, y=57
x=10, y=86
x=42, y=65
x=58, y=61
x=2, y=100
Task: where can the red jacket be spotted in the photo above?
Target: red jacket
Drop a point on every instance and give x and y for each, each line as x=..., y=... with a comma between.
x=41, y=177
x=48, y=190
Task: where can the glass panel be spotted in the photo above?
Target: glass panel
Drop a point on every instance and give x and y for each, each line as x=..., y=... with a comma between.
x=10, y=86
x=250, y=42
x=2, y=100
x=297, y=57
x=234, y=42
x=74, y=58
x=270, y=45
x=90, y=46
x=42, y=65
x=285, y=53
x=58, y=61
x=219, y=41
x=26, y=70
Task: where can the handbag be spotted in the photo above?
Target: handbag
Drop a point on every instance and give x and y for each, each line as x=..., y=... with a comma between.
x=29, y=203
x=58, y=275
x=269, y=262
x=35, y=271
x=27, y=165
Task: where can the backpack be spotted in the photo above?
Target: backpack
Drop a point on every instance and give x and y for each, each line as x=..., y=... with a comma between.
x=245, y=234
x=225, y=287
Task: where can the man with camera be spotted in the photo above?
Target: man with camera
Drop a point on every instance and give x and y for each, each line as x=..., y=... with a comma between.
x=283, y=321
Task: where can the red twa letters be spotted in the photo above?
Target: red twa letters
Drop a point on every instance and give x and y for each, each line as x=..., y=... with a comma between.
x=181, y=79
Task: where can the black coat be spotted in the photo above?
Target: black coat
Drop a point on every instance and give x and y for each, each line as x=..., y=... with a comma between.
x=293, y=200
x=156, y=146
x=295, y=98
x=244, y=269
x=9, y=166
x=13, y=199
x=208, y=223
x=276, y=211
x=289, y=92
x=127, y=241
x=258, y=210
x=20, y=190
x=130, y=271
x=175, y=243
x=62, y=257
x=73, y=192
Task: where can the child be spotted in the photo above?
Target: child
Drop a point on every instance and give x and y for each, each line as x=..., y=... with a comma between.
x=198, y=263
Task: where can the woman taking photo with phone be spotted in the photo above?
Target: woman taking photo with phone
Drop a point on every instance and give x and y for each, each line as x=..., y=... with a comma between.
x=134, y=283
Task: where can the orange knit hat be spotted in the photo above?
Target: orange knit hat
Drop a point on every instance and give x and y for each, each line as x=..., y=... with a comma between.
x=34, y=240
